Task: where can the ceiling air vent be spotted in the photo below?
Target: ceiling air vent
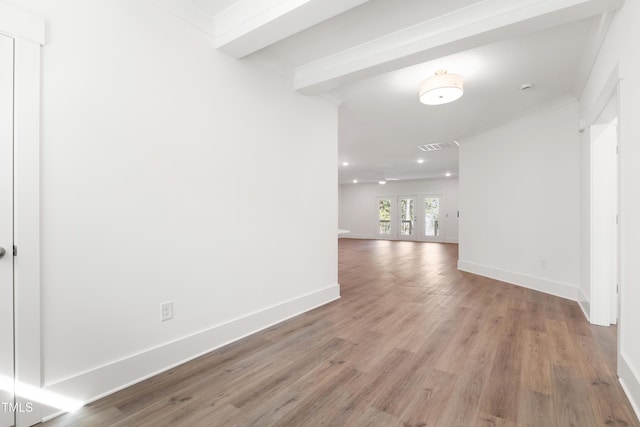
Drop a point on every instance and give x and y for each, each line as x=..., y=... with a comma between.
x=439, y=145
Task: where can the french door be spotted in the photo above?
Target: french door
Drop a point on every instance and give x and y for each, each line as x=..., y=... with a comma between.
x=414, y=218
x=431, y=230
x=386, y=217
x=407, y=218
x=7, y=383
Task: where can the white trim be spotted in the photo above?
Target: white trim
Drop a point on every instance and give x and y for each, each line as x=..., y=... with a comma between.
x=381, y=237
x=28, y=32
x=104, y=380
x=608, y=90
x=540, y=284
x=21, y=25
x=27, y=220
x=630, y=381
x=360, y=236
x=583, y=302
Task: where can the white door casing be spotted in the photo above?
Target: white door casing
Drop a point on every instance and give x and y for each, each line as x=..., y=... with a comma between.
x=28, y=34
x=7, y=401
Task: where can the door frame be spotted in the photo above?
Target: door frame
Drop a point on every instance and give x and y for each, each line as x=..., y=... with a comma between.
x=604, y=230
x=439, y=238
x=395, y=221
x=416, y=225
x=392, y=218
x=7, y=395
x=28, y=32
x=599, y=309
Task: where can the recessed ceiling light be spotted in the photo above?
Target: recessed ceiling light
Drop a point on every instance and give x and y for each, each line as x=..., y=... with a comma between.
x=355, y=181
x=447, y=174
x=382, y=182
x=421, y=161
x=345, y=163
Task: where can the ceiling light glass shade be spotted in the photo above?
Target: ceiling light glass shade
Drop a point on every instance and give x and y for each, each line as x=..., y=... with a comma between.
x=441, y=88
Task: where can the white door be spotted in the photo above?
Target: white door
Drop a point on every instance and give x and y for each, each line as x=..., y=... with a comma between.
x=7, y=408
x=407, y=216
x=385, y=217
x=431, y=224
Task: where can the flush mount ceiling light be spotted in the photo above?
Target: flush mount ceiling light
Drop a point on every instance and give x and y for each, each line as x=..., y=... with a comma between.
x=441, y=88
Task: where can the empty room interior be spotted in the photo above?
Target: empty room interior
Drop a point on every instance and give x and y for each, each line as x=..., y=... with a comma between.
x=319, y=212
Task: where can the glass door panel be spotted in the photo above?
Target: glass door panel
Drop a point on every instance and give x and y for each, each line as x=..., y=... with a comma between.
x=384, y=217
x=407, y=217
x=431, y=216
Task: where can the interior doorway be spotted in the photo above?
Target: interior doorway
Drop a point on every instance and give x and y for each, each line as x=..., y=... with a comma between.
x=604, y=268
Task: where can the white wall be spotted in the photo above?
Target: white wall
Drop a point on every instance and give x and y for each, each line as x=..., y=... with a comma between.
x=519, y=202
x=358, y=212
x=171, y=172
x=619, y=57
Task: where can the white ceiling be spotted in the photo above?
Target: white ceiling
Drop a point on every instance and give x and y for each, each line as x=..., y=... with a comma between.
x=371, y=59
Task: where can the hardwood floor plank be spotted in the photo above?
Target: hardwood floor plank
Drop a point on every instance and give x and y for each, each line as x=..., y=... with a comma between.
x=535, y=409
x=561, y=344
x=536, y=321
x=485, y=420
x=457, y=348
x=500, y=398
x=364, y=391
x=261, y=386
x=536, y=366
x=569, y=396
x=575, y=319
x=463, y=406
x=428, y=402
x=412, y=342
x=612, y=414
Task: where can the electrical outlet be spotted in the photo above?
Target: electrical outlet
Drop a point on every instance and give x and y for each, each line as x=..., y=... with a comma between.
x=166, y=311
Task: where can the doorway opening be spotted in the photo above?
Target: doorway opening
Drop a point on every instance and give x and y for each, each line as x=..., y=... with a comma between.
x=604, y=227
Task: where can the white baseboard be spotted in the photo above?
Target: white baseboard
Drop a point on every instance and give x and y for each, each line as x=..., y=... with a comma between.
x=357, y=236
x=102, y=381
x=583, y=302
x=559, y=289
x=374, y=237
x=630, y=381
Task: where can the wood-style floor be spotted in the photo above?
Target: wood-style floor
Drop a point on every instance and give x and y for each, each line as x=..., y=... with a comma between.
x=413, y=342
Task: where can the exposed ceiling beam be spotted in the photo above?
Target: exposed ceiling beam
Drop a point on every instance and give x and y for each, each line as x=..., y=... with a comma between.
x=483, y=22
x=250, y=25
x=188, y=12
